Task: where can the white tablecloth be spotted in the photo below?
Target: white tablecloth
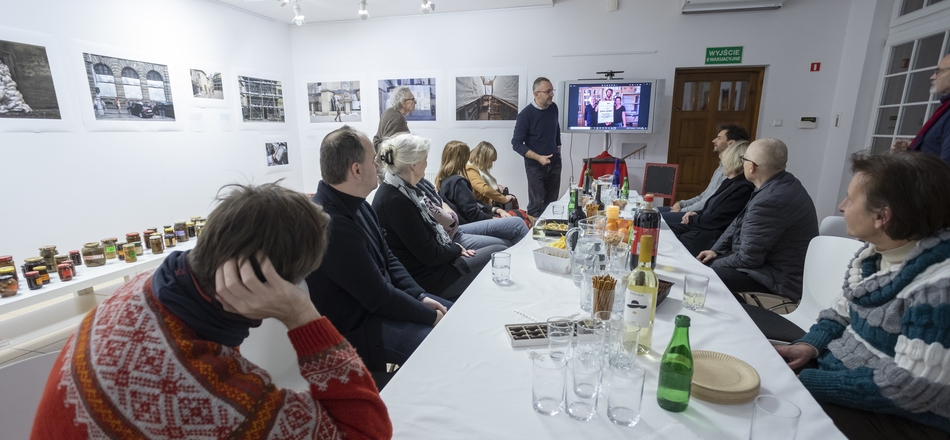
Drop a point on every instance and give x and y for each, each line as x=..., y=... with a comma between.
x=466, y=381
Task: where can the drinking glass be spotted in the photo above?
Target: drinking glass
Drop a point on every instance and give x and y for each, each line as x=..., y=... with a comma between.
x=774, y=418
x=622, y=341
x=500, y=267
x=560, y=336
x=547, y=384
x=694, y=292
x=626, y=394
x=584, y=379
x=591, y=333
x=558, y=210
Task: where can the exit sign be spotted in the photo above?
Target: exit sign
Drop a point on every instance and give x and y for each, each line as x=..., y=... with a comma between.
x=724, y=55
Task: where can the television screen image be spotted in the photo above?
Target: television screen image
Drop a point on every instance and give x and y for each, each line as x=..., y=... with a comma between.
x=608, y=106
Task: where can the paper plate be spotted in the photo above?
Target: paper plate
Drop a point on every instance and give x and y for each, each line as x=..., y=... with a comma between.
x=720, y=378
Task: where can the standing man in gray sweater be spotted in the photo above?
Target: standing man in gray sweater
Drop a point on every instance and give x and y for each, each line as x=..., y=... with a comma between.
x=728, y=135
x=393, y=120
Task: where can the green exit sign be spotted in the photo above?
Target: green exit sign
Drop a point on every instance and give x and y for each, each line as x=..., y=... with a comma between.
x=724, y=55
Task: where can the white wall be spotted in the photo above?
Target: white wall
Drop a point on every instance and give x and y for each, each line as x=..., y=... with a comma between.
x=74, y=186
x=787, y=41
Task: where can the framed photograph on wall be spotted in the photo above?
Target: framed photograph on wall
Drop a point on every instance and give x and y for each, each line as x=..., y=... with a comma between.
x=211, y=85
x=424, y=90
x=334, y=102
x=488, y=97
x=261, y=99
x=276, y=155
x=32, y=86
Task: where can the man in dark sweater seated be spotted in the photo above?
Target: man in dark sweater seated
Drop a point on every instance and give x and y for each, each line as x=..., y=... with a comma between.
x=361, y=287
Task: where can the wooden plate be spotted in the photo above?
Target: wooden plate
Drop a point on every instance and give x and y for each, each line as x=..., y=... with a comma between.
x=720, y=378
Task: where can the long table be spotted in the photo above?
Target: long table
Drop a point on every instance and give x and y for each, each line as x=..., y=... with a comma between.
x=466, y=381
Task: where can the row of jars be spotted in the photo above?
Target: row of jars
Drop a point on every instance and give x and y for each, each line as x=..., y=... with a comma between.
x=36, y=270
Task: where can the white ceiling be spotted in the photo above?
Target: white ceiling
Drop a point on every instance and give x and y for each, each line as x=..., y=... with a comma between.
x=317, y=11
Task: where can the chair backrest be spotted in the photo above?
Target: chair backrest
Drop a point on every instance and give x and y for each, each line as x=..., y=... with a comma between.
x=659, y=179
x=21, y=388
x=833, y=226
x=825, y=265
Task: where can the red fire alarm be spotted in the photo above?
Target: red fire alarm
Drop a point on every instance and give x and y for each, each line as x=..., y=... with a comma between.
x=815, y=67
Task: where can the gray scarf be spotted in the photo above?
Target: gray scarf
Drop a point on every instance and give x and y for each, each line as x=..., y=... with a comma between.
x=417, y=197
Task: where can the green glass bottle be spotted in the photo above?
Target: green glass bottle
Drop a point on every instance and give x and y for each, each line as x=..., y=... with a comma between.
x=570, y=205
x=676, y=369
x=625, y=189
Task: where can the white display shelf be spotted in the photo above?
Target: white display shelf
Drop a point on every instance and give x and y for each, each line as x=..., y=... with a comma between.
x=85, y=279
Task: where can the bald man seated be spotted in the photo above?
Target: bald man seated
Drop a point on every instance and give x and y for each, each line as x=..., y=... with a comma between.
x=763, y=250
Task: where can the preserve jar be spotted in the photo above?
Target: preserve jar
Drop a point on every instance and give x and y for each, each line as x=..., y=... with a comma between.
x=135, y=240
x=120, y=252
x=190, y=226
x=130, y=253
x=76, y=258
x=181, y=232
x=199, y=226
x=8, y=285
x=60, y=259
x=146, y=243
x=7, y=270
x=93, y=254
x=108, y=245
x=33, y=280
x=44, y=274
x=30, y=263
x=156, y=243
x=49, y=254
x=65, y=272
x=7, y=261
x=170, y=240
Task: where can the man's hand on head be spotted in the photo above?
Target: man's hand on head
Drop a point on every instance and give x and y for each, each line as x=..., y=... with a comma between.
x=240, y=291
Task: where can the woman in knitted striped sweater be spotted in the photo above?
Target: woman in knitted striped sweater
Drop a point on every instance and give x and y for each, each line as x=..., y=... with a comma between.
x=883, y=348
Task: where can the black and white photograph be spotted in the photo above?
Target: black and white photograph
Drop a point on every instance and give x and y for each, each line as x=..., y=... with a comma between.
x=26, y=82
x=423, y=90
x=124, y=89
x=206, y=84
x=276, y=154
x=334, y=101
x=262, y=100
x=487, y=98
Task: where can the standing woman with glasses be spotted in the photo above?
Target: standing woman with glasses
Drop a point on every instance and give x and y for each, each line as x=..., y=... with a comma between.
x=439, y=265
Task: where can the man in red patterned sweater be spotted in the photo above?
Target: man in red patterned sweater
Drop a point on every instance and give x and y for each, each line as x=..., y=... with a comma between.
x=160, y=358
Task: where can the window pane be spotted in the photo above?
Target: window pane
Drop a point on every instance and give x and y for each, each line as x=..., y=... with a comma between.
x=742, y=92
x=881, y=145
x=893, y=89
x=725, y=95
x=912, y=119
x=689, y=91
x=886, y=121
x=933, y=2
x=900, y=58
x=704, y=88
x=928, y=51
x=911, y=6
x=919, y=90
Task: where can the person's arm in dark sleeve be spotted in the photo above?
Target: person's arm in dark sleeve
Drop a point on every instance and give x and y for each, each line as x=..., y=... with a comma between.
x=520, y=136
x=457, y=192
x=405, y=220
x=762, y=227
x=350, y=265
x=718, y=217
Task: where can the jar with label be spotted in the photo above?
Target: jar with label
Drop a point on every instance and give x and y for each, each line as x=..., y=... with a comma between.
x=145, y=238
x=93, y=254
x=30, y=263
x=33, y=280
x=49, y=254
x=8, y=270
x=181, y=232
x=170, y=240
x=199, y=225
x=60, y=259
x=7, y=261
x=156, y=243
x=130, y=253
x=134, y=239
x=44, y=274
x=190, y=226
x=8, y=285
x=76, y=258
x=108, y=245
x=119, y=252
x=72, y=268
x=65, y=272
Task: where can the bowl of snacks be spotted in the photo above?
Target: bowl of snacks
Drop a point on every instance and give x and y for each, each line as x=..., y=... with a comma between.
x=552, y=259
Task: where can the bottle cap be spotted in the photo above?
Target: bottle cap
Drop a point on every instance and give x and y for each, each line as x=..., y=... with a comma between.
x=682, y=321
x=648, y=198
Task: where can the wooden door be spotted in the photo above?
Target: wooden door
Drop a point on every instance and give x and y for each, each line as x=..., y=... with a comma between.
x=702, y=99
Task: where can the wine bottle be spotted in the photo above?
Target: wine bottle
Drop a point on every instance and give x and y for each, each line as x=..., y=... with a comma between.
x=599, y=202
x=589, y=177
x=577, y=213
x=676, y=369
x=616, y=182
x=640, y=297
x=646, y=222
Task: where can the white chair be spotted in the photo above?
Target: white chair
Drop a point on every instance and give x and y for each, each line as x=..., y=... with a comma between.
x=825, y=265
x=21, y=388
x=833, y=226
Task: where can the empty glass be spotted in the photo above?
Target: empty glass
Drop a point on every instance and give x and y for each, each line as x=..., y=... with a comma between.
x=694, y=292
x=591, y=333
x=584, y=380
x=547, y=384
x=626, y=394
x=774, y=418
x=500, y=267
x=560, y=336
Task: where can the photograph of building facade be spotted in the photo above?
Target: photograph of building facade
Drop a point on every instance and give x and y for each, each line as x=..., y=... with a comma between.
x=206, y=85
x=262, y=100
x=127, y=89
x=334, y=101
x=423, y=89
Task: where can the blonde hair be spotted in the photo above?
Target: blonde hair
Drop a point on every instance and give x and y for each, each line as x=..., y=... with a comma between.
x=731, y=163
x=454, y=157
x=483, y=156
x=397, y=153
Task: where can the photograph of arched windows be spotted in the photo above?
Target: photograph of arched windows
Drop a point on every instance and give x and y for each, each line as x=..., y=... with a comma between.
x=26, y=84
x=129, y=90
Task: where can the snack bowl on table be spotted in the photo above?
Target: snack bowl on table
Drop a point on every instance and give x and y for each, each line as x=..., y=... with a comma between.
x=552, y=260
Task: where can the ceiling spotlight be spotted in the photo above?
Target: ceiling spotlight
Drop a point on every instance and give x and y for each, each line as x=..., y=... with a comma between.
x=364, y=14
x=298, y=17
x=427, y=6
x=283, y=2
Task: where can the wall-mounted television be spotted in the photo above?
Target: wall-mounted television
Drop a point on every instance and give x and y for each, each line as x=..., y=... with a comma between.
x=627, y=106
